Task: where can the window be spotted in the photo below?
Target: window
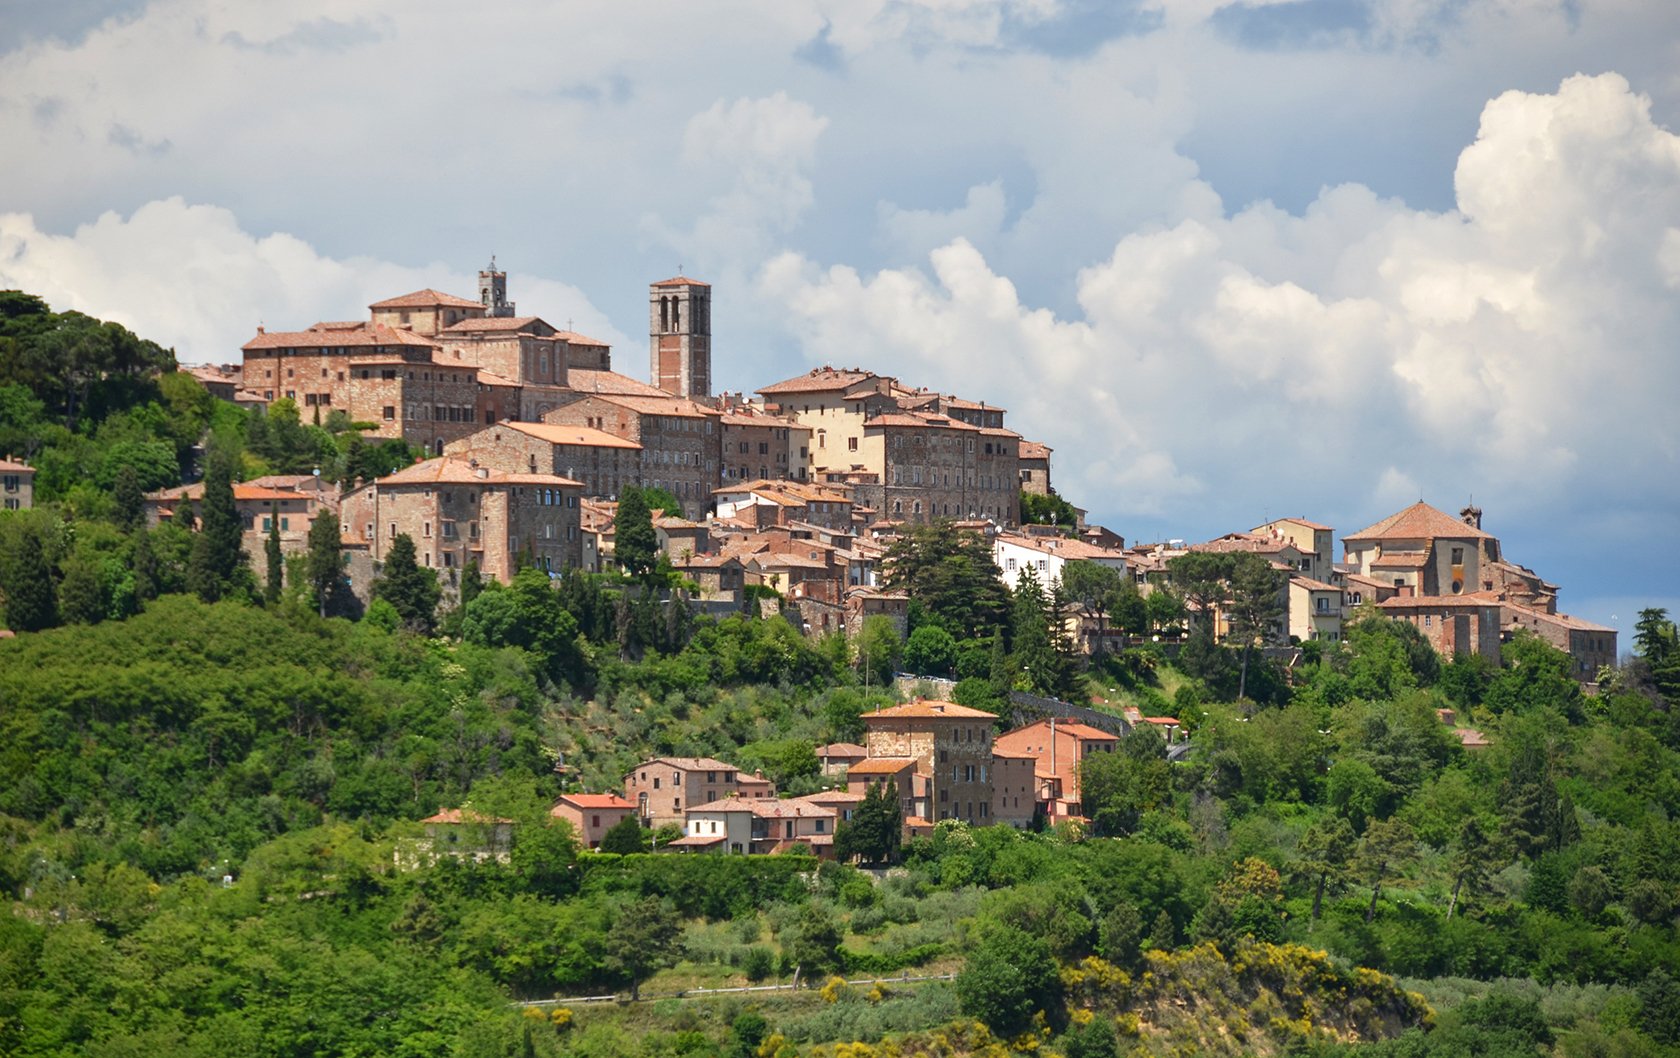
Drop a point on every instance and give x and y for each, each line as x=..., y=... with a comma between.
x=1458, y=556
x=426, y=529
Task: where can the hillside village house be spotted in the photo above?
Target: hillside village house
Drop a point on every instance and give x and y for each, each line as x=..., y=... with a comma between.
x=601, y=462
x=1046, y=555
x=592, y=815
x=456, y=511
x=662, y=786
x=949, y=750
x=1449, y=578
x=1057, y=748
x=678, y=437
x=17, y=485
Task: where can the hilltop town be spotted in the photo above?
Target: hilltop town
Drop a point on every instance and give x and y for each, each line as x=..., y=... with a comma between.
x=789, y=501
x=437, y=640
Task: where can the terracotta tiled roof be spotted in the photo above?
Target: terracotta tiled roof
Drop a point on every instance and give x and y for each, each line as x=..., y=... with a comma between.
x=1562, y=620
x=665, y=404
x=1062, y=547
x=929, y=708
x=680, y=281
x=556, y=434
x=589, y=380
x=1437, y=602
x=448, y=470
x=691, y=763
x=463, y=816
x=841, y=749
x=575, y=338
x=15, y=468
x=596, y=800
x=1400, y=560
x=1313, y=585
x=970, y=405
x=881, y=766
x=1316, y=526
x=365, y=335
x=425, y=299
x=725, y=804
x=1254, y=542
x=490, y=378
x=821, y=380
x=697, y=840
x=1420, y=521
x=1034, y=450
x=473, y=324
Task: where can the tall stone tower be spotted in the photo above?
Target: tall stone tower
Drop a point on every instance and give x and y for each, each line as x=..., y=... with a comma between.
x=492, y=291
x=680, y=336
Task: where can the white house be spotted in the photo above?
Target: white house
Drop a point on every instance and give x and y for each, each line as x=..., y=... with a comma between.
x=1046, y=555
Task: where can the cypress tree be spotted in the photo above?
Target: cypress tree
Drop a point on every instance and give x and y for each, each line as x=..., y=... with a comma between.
x=26, y=579
x=143, y=563
x=324, y=564
x=216, y=554
x=634, y=541
x=130, y=500
x=405, y=585
x=276, y=562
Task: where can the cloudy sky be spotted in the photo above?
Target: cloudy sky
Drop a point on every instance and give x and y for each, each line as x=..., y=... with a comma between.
x=1232, y=259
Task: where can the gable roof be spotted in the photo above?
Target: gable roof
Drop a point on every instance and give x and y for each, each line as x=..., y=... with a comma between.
x=690, y=763
x=1420, y=521
x=819, y=380
x=449, y=470
x=363, y=334
x=595, y=800
x=664, y=404
x=463, y=815
x=556, y=434
x=498, y=323
x=590, y=380
x=926, y=707
x=425, y=299
x=575, y=338
x=680, y=281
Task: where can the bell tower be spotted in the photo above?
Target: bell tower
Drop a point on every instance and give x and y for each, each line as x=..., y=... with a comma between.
x=680, y=337
x=492, y=291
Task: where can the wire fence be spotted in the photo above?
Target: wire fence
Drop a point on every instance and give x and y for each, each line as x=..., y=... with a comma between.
x=703, y=993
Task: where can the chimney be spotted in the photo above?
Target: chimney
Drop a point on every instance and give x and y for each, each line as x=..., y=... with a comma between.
x=260, y=329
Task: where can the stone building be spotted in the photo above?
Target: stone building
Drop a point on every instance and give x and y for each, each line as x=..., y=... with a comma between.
x=457, y=511
x=1427, y=558
x=1452, y=624
x=389, y=377
x=679, y=440
x=660, y=788
x=948, y=746
x=931, y=466
x=1314, y=543
x=1035, y=468
x=833, y=405
x=592, y=815
x=755, y=445
x=604, y=463
x=17, y=486
x=680, y=337
x=259, y=503
x=1057, y=748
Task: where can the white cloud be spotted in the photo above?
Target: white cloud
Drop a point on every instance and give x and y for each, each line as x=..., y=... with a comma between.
x=758, y=153
x=190, y=277
x=1518, y=349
